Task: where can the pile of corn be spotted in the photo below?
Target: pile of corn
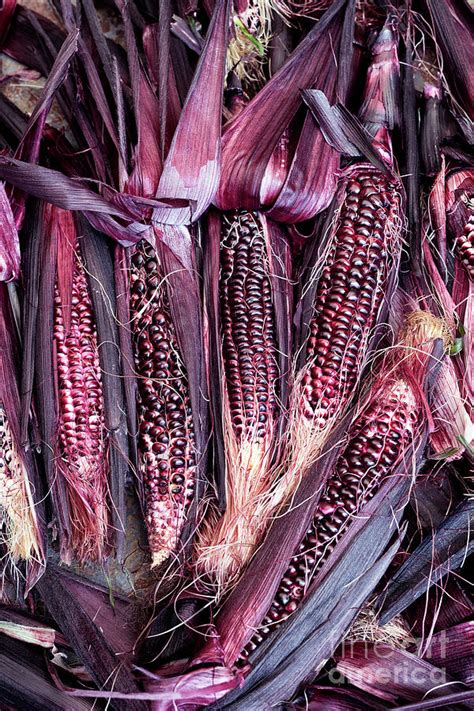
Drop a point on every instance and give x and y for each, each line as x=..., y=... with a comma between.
x=236, y=336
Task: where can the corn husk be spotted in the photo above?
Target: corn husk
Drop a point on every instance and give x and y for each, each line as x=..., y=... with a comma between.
x=364, y=664
x=304, y=192
x=447, y=548
x=87, y=621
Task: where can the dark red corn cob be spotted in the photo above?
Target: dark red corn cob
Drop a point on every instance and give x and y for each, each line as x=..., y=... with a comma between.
x=460, y=210
x=248, y=326
x=362, y=253
x=250, y=387
x=385, y=431
x=82, y=439
x=378, y=439
x=166, y=433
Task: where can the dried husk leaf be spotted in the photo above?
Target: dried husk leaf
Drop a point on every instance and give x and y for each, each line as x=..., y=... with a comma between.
x=451, y=22
x=445, y=549
x=100, y=273
x=453, y=649
x=321, y=698
x=93, y=646
x=157, y=48
x=447, y=603
x=25, y=682
x=69, y=194
x=9, y=242
x=21, y=42
x=249, y=141
x=198, y=132
x=432, y=129
x=392, y=674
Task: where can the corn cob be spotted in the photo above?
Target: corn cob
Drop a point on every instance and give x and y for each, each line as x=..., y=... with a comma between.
x=356, y=271
x=82, y=443
x=166, y=433
x=248, y=329
x=363, y=250
x=250, y=387
x=378, y=439
x=18, y=527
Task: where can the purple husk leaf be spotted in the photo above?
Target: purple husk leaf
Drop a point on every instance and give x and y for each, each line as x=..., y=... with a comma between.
x=434, y=495
x=448, y=605
x=14, y=623
x=13, y=122
x=96, y=649
x=97, y=91
x=453, y=649
x=211, y=287
x=176, y=248
x=411, y=167
x=70, y=194
x=432, y=129
x=157, y=50
x=249, y=135
x=342, y=130
x=446, y=549
x=29, y=146
x=199, y=131
x=21, y=42
x=309, y=642
x=369, y=134
x=9, y=241
x=452, y=22
x=322, y=698
x=100, y=276
x=308, y=190
x=38, y=360
x=165, y=77
x=26, y=684
x=122, y=290
x=115, y=619
x=99, y=41
x=452, y=699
